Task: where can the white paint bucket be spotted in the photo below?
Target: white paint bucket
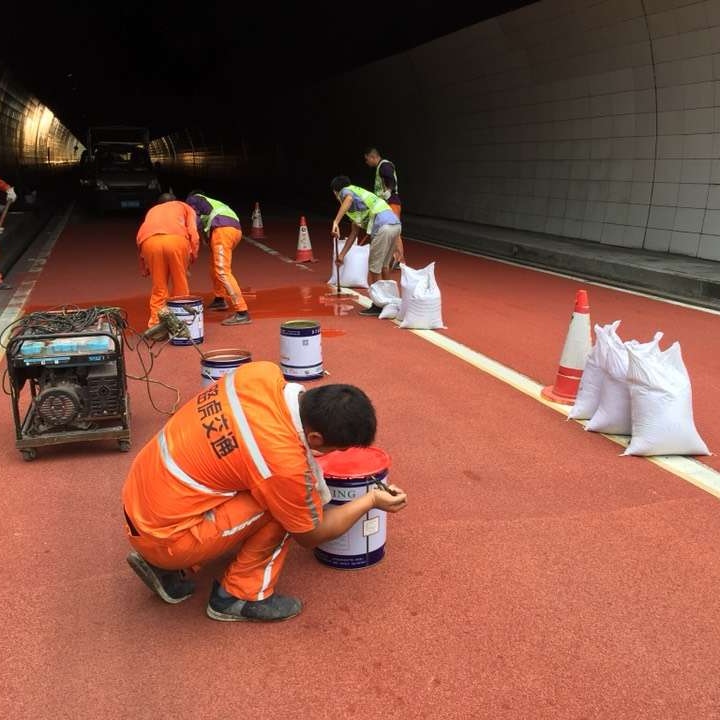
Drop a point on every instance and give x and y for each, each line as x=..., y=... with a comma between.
x=216, y=363
x=301, y=350
x=350, y=474
x=189, y=310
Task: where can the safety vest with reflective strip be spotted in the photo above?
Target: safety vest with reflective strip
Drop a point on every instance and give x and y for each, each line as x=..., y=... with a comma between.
x=375, y=205
x=380, y=189
x=227, y=439
x=218, y=208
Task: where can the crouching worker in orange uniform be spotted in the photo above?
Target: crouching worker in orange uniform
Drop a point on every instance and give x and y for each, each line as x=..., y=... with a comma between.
x=234, y=471
x=168, y=241
x=221, y=226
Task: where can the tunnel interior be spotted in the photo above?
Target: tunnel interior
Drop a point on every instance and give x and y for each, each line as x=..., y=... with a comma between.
x=595, y=121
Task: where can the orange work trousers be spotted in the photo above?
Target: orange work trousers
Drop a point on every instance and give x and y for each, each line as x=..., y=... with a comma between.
x=240, y=525
x=223, y=240
x=399, y=253
x=167, y=258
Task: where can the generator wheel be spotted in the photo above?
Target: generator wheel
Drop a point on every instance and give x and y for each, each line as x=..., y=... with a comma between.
x=124, y=445
x=29, y=454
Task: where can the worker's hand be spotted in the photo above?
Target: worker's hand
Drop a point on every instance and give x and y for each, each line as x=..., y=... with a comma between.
x=363, y=240
x=339, y=260
x=10, y=195
x=389, y=503
x=335, y=232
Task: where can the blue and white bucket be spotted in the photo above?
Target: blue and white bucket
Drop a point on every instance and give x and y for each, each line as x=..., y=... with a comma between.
x=216, y=363
x=301, y=350
x=350, y=474
x=189, y=310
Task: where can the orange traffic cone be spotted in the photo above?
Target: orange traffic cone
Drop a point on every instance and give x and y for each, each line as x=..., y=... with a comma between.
x=575, y=351
x=304, y=248
x=257, y=230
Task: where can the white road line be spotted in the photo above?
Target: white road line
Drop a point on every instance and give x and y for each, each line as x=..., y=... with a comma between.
x=280, y=256
x=689, y=469
x=517, y=264
x=14, y=309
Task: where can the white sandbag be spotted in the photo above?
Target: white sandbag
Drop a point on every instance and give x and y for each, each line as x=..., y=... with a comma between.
x=354, y=270
x=390, y=311
x=614, y=412
x=588, y=397
x=421, y=304
x=662, y=413
x=384, y=292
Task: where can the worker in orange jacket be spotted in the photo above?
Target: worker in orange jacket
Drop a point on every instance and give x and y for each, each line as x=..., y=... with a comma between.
x=10, y=198
x=221, y=226
x=234, y=471
x=168, y=242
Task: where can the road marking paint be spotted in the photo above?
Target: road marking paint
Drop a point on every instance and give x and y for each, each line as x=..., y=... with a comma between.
x=566, y=276
x=14, y=309
x=277, y=254
x=686, y=468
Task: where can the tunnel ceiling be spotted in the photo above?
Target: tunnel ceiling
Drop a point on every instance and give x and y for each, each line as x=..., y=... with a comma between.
x=171, y=64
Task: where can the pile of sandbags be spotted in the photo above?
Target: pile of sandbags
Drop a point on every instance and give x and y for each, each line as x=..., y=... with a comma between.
x=418, y=306
x=354, y=270
x=637, y=389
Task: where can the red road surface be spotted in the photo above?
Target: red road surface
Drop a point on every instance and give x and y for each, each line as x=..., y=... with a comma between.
x=535, y=574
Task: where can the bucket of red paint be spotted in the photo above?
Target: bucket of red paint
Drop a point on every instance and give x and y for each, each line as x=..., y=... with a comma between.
x=350, y=474
x=216, y=363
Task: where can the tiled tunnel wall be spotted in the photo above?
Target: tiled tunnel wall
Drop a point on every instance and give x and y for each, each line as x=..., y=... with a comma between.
x=597, y=119
x=33, y=141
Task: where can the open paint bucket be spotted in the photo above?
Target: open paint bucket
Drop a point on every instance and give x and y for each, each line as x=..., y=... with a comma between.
x=189, y=310
x=301, y=350
x=349, y=474
x=216, y=363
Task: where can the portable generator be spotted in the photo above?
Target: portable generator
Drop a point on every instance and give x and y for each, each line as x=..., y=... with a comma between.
x=73, y=363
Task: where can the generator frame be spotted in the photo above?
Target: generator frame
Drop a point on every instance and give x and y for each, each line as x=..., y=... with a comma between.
x=28, y=443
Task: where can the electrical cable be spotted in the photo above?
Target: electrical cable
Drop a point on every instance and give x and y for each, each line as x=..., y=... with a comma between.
x=73, y=320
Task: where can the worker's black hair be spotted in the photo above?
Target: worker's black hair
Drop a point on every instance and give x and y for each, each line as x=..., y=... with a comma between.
x=165, y=197
x=340, y=182
x=342, y=414
x=372, y=149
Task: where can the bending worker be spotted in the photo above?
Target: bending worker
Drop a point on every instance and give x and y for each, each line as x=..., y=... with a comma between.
x=234, y=471
x=168, y=241
x=386, y=187
x=221, y=226
x=373, y=216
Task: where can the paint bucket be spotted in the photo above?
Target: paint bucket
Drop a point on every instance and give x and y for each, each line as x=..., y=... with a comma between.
x=301, y=350
x=189, y=310
x=350, y=474
x=216, y=363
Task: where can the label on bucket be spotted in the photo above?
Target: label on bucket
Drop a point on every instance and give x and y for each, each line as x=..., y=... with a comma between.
x=364, y=543
x=301, y=350
x=190, y=312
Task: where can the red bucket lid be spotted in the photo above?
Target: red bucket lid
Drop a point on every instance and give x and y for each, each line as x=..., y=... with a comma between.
x=354, y=463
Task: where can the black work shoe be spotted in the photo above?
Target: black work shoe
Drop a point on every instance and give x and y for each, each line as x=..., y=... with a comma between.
x=232, y=609
x=170, y=585
x=372, y=311
x=238, y=318
x=218, y=304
